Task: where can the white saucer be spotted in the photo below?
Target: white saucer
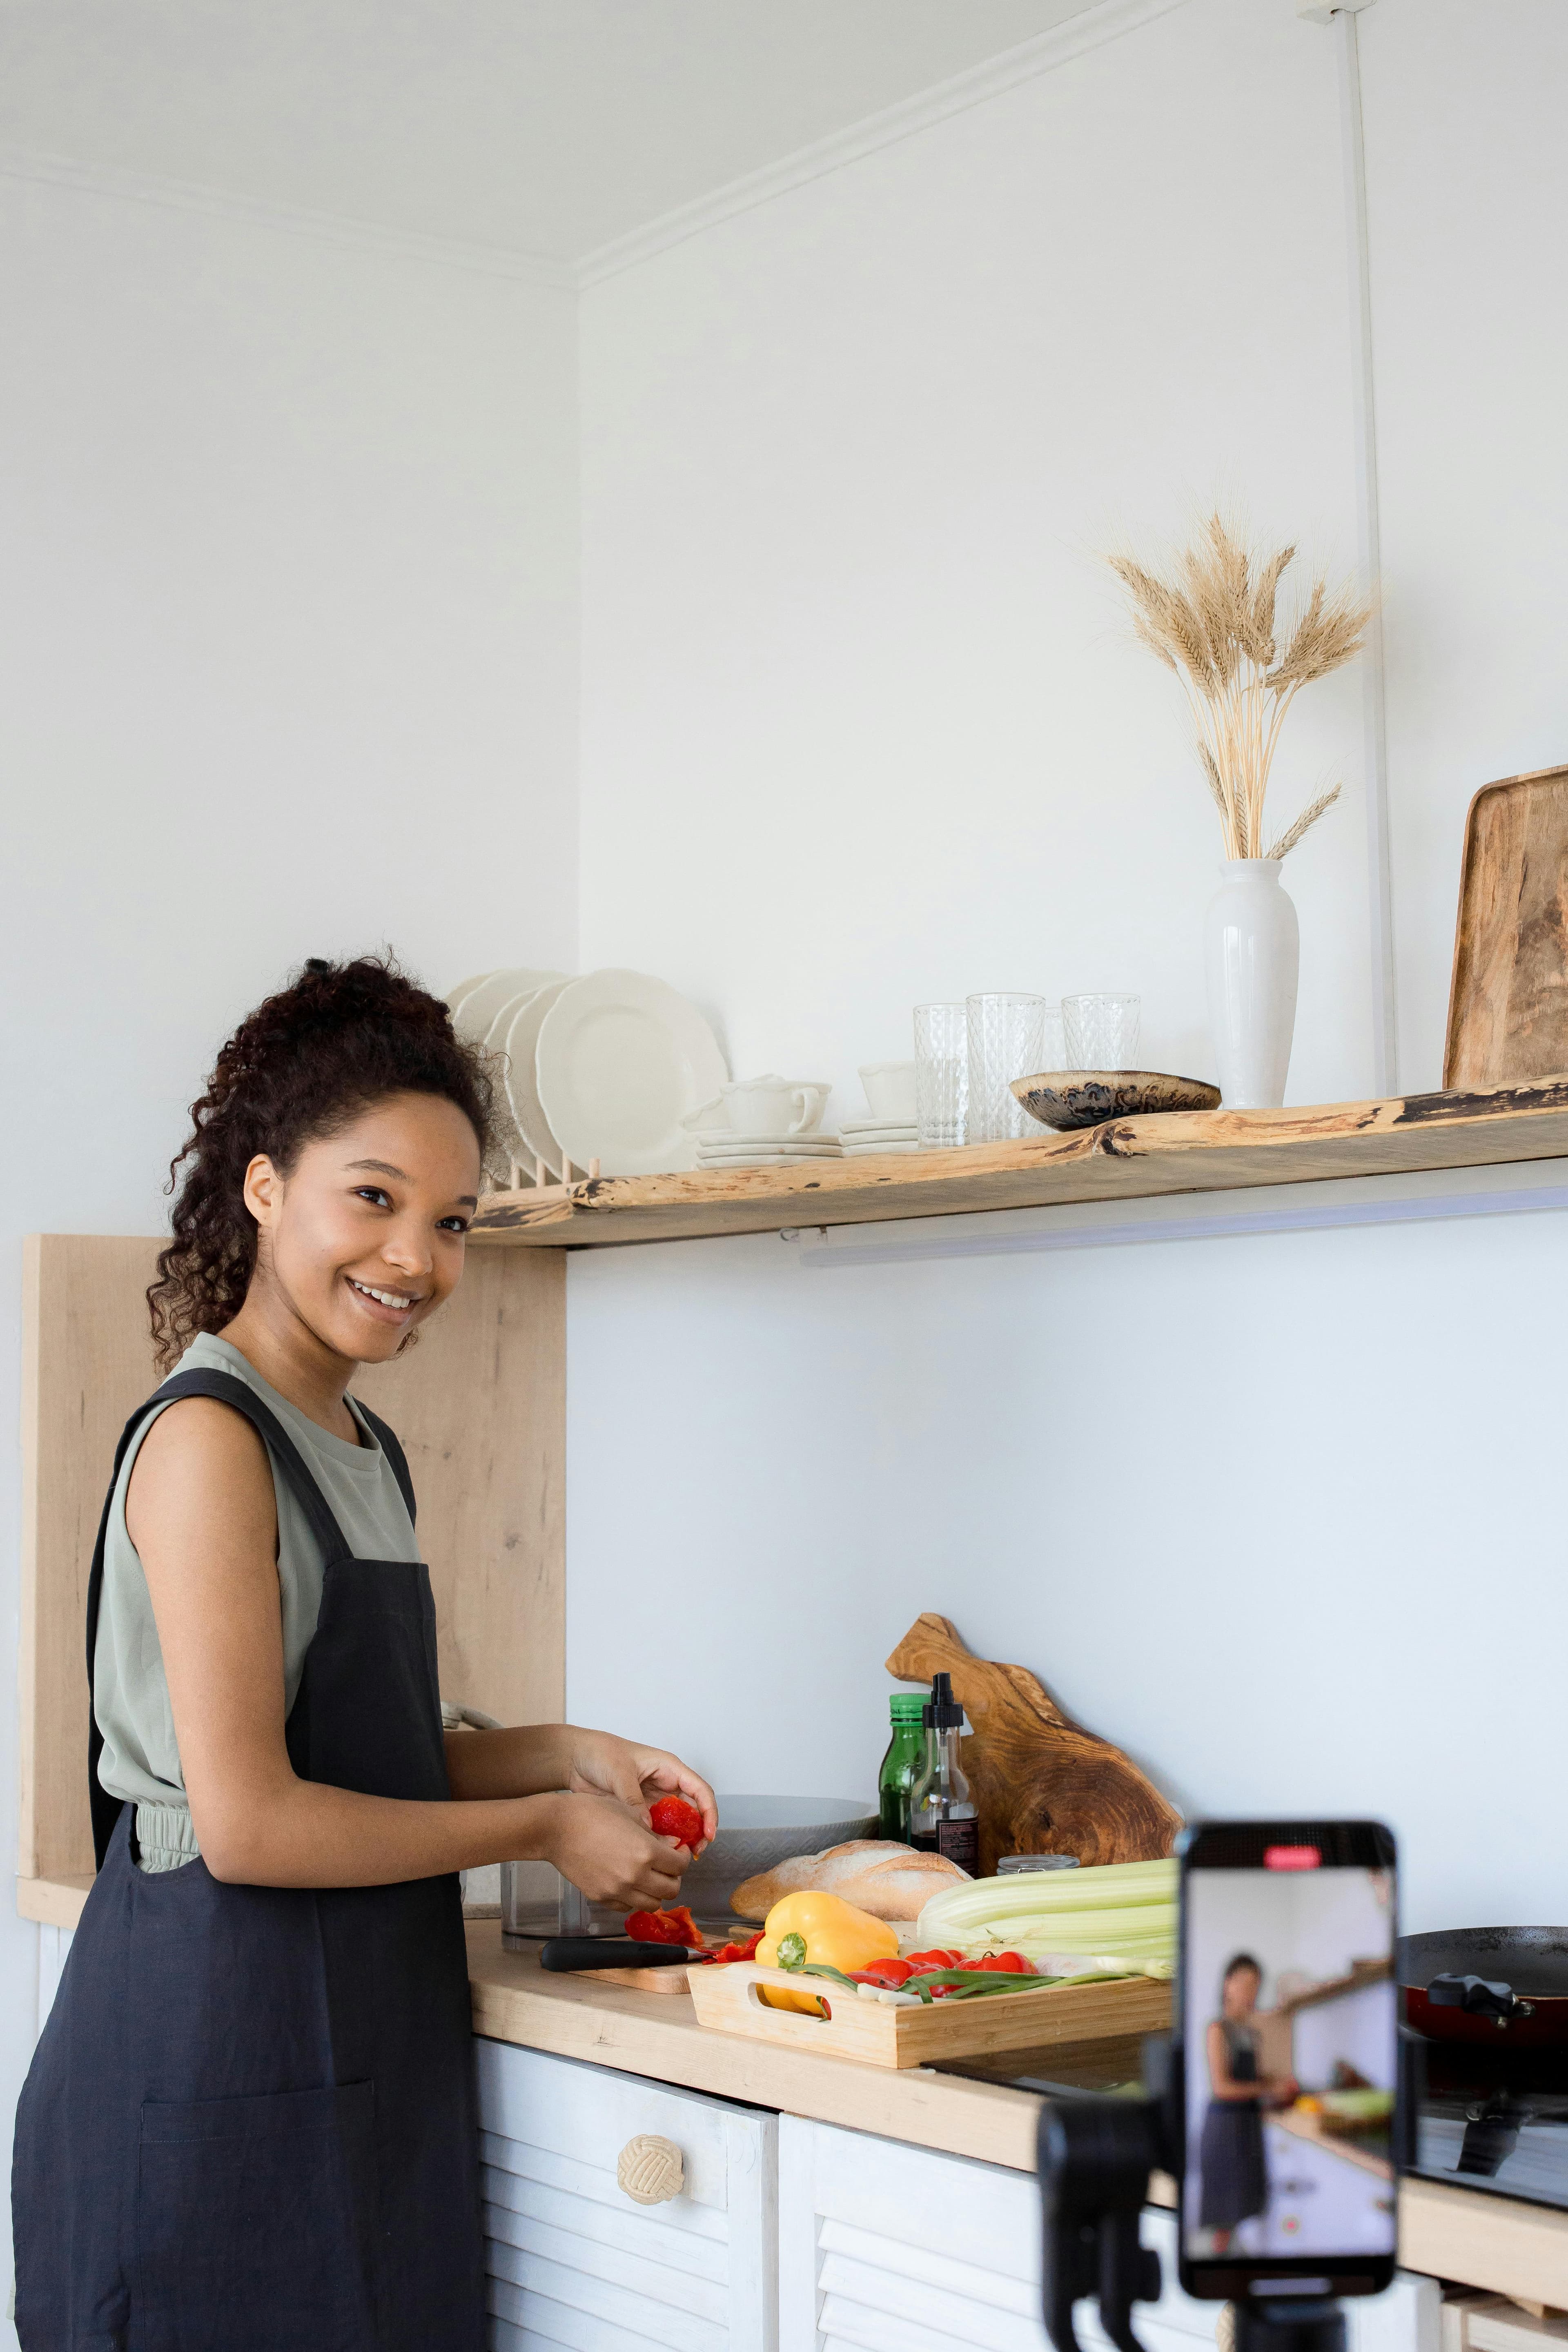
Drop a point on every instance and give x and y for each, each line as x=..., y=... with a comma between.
x=879, y=1151
x=769, y=1151
x=727, y=1139
x=765, y=1160
x=877, y=1126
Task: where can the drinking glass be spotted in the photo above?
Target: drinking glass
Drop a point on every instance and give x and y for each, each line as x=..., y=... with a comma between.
x=1007, y=1037
x=942, y=1075
x=1053, y=1041
x=1101, y=1032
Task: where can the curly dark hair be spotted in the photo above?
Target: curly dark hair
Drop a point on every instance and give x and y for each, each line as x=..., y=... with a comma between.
x=340, y=1037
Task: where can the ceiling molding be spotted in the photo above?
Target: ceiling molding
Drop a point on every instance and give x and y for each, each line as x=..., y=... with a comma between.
x=1101, y=21
x=181, y=196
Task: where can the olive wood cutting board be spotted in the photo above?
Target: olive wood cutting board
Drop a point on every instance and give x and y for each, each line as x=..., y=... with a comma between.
x=883, y=2033
x=1042, y=1783
x=1508, y=1001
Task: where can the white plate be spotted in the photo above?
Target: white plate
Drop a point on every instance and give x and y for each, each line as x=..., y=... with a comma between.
x=773, y=1146
x=621, y=1061
x=464, y=988
x=507, y=1144
x=481, y=1004
x=876, y=1150
x=876, y=1127
x=522, y=1088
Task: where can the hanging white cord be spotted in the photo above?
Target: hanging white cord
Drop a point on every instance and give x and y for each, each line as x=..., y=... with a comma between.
x=1380, y=894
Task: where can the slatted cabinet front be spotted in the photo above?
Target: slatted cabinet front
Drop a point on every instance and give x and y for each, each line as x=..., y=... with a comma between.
x=573, y=2265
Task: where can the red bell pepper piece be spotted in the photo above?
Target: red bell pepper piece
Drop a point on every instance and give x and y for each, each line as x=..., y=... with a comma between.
x=677, y=1818
x=671, y=1926
x=921, y=1962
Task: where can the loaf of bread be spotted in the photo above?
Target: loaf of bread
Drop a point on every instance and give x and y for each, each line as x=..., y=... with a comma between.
x=890, y=1881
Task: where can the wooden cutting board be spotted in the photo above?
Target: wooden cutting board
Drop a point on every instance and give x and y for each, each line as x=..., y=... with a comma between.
x=1508, y=1004
x=1042, y=1783
x=639, y=1979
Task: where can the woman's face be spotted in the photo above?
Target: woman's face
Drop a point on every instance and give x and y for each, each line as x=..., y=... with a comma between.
x=364, y=1236
x=1241, y=1990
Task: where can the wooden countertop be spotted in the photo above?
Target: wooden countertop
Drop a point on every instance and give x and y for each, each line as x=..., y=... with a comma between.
x=1478, y=2239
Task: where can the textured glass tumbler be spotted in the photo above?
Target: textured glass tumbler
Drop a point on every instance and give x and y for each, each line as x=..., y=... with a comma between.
x=942, y=1075
x=1101, y=1032
x=1007, y=1035
x=1053, y=1042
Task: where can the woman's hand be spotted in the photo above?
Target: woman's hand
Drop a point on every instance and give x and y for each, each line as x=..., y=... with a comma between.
x=610, y=1854
x=602, y=1765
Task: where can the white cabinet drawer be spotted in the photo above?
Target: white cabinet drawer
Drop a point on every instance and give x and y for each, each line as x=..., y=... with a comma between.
x=573, y=2262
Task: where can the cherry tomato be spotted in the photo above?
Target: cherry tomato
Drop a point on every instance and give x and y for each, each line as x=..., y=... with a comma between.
x=1007, y=1964
x=677, y=1818
x=889, y=1974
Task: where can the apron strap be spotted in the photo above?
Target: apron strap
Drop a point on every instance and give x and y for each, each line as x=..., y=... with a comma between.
x=388, y=1439
x=226, y=1388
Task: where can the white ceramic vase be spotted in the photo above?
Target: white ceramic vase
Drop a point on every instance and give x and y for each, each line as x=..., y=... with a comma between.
x=1251, y=953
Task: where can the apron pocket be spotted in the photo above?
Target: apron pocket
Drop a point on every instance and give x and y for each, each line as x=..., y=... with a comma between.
x=255, y=2223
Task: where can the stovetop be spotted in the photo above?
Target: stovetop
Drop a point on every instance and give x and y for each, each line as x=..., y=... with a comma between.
x=1496, y=2123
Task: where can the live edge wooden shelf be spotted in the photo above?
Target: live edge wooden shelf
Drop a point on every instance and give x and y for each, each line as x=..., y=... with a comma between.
x=1132, y=1158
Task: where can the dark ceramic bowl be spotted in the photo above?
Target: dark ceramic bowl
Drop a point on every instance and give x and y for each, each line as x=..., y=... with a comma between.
x=1086, y=1098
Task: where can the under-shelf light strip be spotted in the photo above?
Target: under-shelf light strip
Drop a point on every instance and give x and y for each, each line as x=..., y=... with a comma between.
x=821, y=1249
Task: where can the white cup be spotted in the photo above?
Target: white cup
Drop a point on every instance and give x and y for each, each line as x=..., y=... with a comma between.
x=774, y=1105
x=890, y=1089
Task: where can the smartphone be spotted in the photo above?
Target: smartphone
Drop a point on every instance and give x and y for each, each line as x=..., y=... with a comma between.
x=1288, y=2018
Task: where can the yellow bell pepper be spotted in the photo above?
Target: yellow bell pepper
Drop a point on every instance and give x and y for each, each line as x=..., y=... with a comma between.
x=823, y=1929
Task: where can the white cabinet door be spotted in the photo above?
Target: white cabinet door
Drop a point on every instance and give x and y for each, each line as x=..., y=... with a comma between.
x=573, y=2262
x=894, y=2248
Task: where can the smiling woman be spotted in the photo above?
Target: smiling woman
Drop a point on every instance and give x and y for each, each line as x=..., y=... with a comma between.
x=249, y=2120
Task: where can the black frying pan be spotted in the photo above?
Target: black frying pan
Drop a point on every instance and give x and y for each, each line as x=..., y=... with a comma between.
x=1507, y=1986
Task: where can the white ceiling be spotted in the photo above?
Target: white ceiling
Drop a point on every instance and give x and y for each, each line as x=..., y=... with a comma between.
x=546, y=126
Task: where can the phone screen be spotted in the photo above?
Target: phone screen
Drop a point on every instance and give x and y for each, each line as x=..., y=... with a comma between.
x=1290, y=2031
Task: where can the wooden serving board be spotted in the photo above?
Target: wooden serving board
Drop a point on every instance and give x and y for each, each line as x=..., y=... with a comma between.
x=1508, y=1003
x=879, y=2033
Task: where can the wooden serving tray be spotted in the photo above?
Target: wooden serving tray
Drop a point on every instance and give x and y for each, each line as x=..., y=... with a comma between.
x=880, y=2033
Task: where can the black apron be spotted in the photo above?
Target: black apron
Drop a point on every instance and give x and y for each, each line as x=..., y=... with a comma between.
x=250, y=2125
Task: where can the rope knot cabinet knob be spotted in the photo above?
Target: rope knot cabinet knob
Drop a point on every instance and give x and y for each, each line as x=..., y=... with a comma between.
x=650, y=2170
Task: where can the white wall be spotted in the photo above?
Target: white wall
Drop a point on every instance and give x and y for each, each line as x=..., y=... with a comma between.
x=864, y=722
x=1467, y=195
x=286, y=630
x=861, y=727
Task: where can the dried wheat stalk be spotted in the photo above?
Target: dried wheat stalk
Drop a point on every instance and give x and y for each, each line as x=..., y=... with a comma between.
x=1215, y=623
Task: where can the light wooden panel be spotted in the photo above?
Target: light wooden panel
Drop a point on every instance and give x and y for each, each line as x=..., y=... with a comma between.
x=479, y=1403
x=87, y=1364
x=1125, y=1160
x=1508, y=1000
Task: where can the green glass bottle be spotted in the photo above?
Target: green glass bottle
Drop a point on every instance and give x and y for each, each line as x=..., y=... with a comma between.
x=906, y=1752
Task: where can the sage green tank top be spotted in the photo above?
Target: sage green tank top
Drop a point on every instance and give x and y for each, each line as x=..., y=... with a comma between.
x=140, y=1759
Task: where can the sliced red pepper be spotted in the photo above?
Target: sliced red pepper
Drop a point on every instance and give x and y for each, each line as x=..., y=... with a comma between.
x=933, y=1960
x=672, y=1927
x=730, y=1953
